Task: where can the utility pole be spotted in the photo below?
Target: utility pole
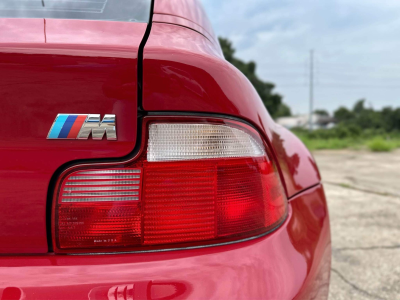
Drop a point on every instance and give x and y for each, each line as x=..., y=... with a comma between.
x=310, y=124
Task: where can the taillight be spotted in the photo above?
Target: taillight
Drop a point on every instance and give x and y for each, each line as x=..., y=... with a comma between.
x=195, y=182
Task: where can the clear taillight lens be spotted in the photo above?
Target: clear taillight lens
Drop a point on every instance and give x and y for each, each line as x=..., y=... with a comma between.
x=169, y=142
x=192, y=184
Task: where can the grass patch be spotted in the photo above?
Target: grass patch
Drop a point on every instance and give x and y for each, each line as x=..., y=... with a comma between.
x=336, y=144
x=379, y=144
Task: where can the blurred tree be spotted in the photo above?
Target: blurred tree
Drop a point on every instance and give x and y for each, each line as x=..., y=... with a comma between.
x=272, y=101
x=283, y=111
x=227, y=48
x=321, y=112
x=342, y=114
x=396, y=120
x=386, y=120
x=359, y=106
x=391, y=118
x=368, y=118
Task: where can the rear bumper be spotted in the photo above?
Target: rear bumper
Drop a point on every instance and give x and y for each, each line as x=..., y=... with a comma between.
x=291, y=263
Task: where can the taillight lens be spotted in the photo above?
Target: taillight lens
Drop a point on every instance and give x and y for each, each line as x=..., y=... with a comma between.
x=194, y=183
x=100, y=208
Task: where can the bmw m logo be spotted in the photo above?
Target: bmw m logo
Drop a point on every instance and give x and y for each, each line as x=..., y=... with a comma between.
x=69, y=126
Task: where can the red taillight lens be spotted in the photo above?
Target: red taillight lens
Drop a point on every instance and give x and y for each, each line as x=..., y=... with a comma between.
x=197, y=184
x=246, y=200
x=100, y=208
x=203, y=200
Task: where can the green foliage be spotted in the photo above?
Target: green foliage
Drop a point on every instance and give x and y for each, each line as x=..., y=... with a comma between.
x=271, y=100
x=359, y=107
x=321, y=112
x=339, y=132
x=227, y=48
x=324, y=139
x=333, y=144
x=343, y=137
x=353, y=129
x=377, y=130
x=378, y=144
x=391, y=119
x=368, y=119
x=283, y=111
x=342, y=114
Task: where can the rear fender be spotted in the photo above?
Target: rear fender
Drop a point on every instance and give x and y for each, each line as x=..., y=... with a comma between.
x=183, y=71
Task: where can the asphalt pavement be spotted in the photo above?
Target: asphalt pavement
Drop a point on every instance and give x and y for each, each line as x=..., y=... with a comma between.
x=363, y=192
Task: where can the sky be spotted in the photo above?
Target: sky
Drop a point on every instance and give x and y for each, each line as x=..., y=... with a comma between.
x=356, y=47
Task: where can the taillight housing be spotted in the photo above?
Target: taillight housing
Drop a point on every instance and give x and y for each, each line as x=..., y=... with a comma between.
x=195, y=182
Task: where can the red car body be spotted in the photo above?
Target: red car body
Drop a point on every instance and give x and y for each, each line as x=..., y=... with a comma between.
x=172, y=66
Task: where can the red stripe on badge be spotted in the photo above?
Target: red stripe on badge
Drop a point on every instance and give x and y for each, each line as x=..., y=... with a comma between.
x=76, y=127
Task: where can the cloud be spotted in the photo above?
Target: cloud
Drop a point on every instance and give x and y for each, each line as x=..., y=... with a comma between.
x=356, y=47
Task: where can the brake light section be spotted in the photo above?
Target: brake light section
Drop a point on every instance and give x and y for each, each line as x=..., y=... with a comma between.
x=196, y=182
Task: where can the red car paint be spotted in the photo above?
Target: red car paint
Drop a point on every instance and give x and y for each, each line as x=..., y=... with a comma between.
x=190, y=10
x=187, y=74
x=212, y=84
x=293, y=262
x=70, y=66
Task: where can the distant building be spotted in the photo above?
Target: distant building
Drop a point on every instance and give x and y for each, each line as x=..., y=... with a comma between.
x=302, y=121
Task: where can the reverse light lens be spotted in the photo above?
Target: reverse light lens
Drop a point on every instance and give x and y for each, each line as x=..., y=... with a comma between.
x=197, y=184
x=169, y=142
x=100, y=185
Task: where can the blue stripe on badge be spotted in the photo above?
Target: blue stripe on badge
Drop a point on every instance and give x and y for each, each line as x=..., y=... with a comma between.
x=57, y=126
x=67, y=126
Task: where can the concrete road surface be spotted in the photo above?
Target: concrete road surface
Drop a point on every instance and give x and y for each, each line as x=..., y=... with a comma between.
x=363, y=192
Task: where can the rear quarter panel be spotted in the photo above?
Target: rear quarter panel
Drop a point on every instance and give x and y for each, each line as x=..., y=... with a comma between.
x=185, y=72
x=190, y=10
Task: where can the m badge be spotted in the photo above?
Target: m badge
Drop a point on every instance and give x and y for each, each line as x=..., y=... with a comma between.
x=69, y=126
